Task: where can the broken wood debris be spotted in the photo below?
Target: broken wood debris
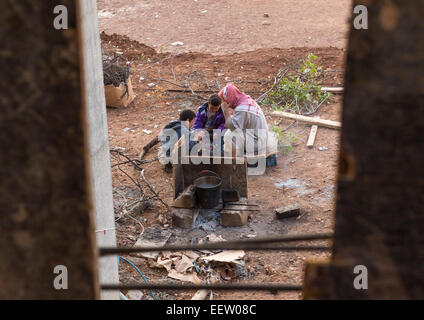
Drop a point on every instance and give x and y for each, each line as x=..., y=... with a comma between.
x=333, y=89
x=314, y=121
x=186, y=266
x=147, y=147
x=312, y=136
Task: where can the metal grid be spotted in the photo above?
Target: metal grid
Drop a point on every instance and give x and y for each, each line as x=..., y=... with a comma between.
x=264, y=244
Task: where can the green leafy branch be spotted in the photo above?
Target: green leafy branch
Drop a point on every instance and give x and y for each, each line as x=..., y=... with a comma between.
x=298, y=90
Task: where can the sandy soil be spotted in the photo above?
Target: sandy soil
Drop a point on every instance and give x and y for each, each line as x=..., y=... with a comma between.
x=305, y=176
x=228, y=26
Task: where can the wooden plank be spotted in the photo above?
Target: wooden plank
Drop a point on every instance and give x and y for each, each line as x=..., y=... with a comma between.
x=312, y=136
x=314, y=121
x=333, y=89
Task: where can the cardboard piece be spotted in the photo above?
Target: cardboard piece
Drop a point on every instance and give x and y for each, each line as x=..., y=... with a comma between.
x=226, y=256
x=113, y=95
x=192, y=277
x=184, y=264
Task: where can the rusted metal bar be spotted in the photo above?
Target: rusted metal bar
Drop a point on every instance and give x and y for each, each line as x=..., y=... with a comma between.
x=273, y=287
x=213, y=246
x=250, y=244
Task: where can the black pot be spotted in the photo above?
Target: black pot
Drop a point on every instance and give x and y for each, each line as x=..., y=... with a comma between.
x=208, y=190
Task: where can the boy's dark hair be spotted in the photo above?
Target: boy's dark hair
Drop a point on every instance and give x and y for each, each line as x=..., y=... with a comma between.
x=215, y=100
x=187, y=115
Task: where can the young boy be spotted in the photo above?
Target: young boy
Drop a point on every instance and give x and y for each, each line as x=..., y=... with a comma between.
x=181, y=127
x=209, y=117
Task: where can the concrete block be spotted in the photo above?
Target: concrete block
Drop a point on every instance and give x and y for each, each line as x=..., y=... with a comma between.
x=187, y=199
x=182, y=218
x=288, y=211
x=234, y=218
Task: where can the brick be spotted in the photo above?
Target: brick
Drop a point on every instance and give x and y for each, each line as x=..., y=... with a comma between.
x=182, y=218
x=186, y=199
x=234, y=218
x=288, y=211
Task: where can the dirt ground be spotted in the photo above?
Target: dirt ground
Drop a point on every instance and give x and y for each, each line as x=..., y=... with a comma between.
x=303, y=175
x=228, y=26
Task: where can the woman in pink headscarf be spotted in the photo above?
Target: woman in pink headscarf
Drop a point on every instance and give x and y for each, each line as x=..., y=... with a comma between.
x=245, y=120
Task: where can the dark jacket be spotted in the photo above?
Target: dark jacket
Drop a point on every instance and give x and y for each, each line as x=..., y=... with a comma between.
x=180, y=129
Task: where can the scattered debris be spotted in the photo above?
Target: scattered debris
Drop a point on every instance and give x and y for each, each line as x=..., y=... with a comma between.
x=147, y=147
x=135, y=295
x=114, y=74
x=200, y=295
x=312, y=136
x=207, y=220
x=333, y=89
x=323, y=123
x=322, y=148
x=184, y=264
x=230, y=256
x=240, y=270
x=192, y=277
x=151, y=85
x=266, y=23
x=147, y=131
x=288, y=211
x=152, y=238
x=214, y=238
x=182, y=217
x=177, y=43
x=166, y=263
x=234, y=218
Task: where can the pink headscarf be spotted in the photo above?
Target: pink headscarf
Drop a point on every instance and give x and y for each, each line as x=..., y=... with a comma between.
x=234, y=97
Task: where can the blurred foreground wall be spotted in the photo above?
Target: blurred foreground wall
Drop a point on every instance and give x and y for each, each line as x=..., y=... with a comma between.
x=380, y=201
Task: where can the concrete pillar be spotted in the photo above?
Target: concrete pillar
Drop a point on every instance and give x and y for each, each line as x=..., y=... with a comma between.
x=99, y=156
